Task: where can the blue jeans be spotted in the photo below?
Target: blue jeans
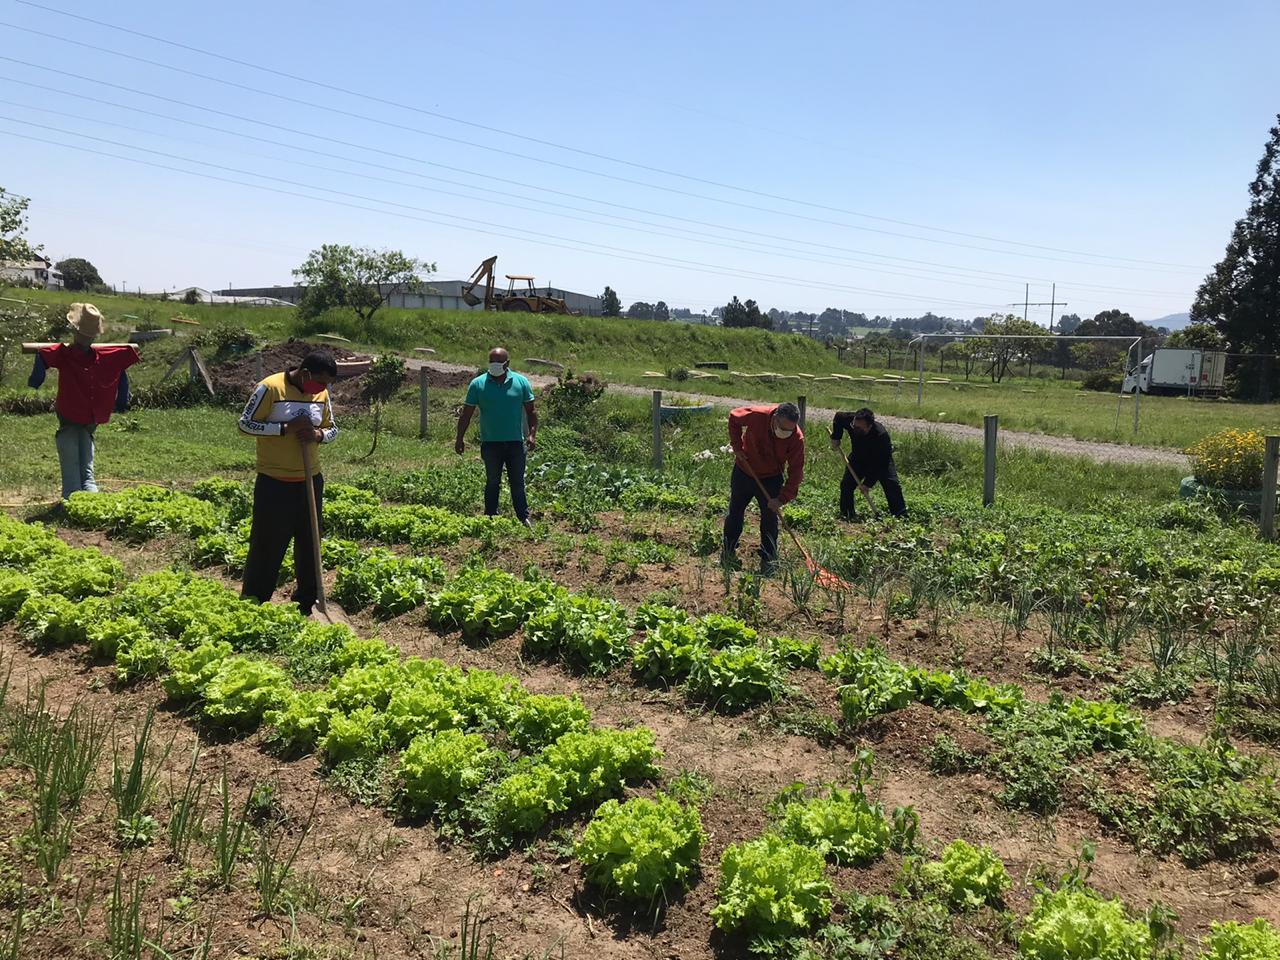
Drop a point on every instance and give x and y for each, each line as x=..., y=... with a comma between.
x=511, y=454
x=75, y=456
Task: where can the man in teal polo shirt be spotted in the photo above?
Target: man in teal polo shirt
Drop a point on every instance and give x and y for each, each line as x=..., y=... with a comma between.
x=505, y=400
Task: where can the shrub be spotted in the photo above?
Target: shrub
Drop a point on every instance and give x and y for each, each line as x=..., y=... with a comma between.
x=1104, y=381
x=1077, y=924
x=771, y=887
x=844, y=827
x=441, y=769
x=969, y=876
x=1231, y=459
x=570, y=397
x=642, y=848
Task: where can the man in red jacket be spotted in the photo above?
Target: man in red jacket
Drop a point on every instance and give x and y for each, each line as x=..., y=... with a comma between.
x=88, y=385
x=767, y=441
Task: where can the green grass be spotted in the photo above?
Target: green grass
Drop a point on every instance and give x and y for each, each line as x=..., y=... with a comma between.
x=185, y=445
x=622, y=350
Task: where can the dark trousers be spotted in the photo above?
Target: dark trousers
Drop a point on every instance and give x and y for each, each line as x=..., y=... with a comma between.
x=496, y=455
x=892, y=493
x=280, y=515
x=742, y=490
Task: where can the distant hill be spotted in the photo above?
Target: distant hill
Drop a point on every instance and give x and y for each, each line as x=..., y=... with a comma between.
x=1174, y=321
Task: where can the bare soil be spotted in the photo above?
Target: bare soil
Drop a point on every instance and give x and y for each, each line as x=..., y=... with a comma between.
x=379, y=885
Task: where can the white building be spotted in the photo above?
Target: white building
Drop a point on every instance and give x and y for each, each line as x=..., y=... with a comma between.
x=39, y=272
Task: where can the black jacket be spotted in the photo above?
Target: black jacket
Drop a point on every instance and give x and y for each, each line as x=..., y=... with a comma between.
x=872, y=454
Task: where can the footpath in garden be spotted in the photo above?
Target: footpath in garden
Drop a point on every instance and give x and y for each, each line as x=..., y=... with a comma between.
x=1097, y=451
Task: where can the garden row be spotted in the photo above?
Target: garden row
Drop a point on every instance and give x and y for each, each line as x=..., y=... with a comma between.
x=1206, y=802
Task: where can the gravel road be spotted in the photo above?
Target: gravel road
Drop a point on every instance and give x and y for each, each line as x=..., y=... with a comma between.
x=1094, y=450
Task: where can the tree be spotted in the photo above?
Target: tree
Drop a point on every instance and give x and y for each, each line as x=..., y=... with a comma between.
x=1067, y=324
x=379, y=385
x=682, y=313
x=79, y=274
x=640, y=310
x=1001, y=353
x=738, y=314
x=358, y=278
x=661, y=311
x=1241, y=296
x=610, y=304
x=1198, y=336
x=14, y=247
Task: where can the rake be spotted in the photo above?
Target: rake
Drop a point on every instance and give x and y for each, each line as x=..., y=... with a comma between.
x=875, y=514
x=821, y=576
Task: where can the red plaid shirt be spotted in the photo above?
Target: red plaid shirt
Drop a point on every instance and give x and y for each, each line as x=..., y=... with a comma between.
x=87, y=382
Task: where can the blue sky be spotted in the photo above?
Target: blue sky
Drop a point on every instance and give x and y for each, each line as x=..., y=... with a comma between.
x=888, y=158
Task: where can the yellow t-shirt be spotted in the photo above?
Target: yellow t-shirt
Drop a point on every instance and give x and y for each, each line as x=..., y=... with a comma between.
x=276, y=401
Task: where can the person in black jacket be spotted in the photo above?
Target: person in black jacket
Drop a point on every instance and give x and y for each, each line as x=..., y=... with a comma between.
x=871, y=458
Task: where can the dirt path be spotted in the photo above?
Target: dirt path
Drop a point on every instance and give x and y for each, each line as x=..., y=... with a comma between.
x=1097, y=451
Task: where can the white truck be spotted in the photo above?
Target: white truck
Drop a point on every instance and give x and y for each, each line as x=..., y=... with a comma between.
x=1170, y=370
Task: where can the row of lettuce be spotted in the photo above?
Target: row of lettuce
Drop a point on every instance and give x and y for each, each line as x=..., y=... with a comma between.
x=1181, y=557
x=476, y=751
x=1205, y=803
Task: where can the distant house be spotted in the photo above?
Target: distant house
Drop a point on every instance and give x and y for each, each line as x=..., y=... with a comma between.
x=434, y=295
x=39, y=272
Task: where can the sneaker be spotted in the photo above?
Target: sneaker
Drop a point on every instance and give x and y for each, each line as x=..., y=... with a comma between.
x=768, y=569
x=528, y=524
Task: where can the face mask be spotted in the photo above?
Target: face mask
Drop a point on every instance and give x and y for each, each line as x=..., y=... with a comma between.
x=782, y=434
x=312, y=386
x=497, y=369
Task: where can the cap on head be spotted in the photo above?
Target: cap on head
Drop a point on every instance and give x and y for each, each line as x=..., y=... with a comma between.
x=787, y=411
x=86, y=320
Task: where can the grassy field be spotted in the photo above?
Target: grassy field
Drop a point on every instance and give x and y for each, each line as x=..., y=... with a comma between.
x=179, y=446
x=623, y=350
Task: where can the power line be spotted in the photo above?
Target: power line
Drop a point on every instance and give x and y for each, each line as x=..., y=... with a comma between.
x=567, y=243
x=511, y=153
x=841, y=251
x=697, y=237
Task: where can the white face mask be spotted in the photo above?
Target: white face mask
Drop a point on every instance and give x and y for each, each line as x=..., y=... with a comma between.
x=782, y=434
x=497, y=369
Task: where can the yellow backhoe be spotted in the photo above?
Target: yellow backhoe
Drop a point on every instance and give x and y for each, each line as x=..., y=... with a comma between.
x=527, y=300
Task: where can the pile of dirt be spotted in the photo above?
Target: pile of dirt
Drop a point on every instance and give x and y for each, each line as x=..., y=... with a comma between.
x=237, y=378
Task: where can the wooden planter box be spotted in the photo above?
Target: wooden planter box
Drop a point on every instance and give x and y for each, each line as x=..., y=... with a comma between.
x=353, y=367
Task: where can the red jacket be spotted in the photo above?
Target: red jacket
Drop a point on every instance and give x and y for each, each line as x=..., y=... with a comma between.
x=87, y=381
x=752, y=439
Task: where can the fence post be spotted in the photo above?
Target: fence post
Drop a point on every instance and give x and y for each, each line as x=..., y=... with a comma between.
x=802, y=402
x=422, y=403
x=1270, y=463
x=657, y=430
x=990, y=427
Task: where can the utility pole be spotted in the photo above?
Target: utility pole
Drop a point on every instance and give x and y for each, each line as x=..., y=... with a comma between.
x=1051, y=303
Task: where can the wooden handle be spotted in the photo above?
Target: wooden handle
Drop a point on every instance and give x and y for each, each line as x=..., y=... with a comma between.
x=315, y=525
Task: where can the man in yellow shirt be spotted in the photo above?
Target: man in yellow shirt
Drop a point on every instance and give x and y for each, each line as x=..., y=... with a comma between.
x=286, y=410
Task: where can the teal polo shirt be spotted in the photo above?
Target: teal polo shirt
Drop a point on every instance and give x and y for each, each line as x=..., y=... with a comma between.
x=501, y=404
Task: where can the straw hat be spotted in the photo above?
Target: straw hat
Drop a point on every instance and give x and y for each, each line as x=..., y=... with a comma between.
x=86, y=320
